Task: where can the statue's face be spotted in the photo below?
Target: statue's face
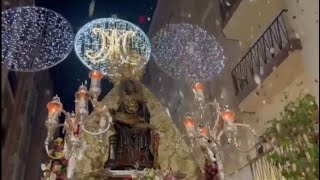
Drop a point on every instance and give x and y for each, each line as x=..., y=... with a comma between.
x=130, y=88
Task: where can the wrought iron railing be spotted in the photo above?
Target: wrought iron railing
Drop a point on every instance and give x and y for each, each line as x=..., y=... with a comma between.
x=269, y=51
x=227, y=8
x=262, y=169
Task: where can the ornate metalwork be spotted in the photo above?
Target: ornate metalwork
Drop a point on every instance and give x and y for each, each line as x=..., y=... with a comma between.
x=262, y=54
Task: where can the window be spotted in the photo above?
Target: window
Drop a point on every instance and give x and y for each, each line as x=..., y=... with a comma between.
x=13, y=80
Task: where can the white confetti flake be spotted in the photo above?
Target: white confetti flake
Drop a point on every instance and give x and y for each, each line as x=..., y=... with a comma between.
x=217, y=22
x=181, y=94
x=272, y=50
x=91, y=7
x=261, y=70
x=168, y=112
x=257, y=79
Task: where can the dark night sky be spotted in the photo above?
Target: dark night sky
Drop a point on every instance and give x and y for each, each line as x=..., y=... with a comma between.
x=68, y=75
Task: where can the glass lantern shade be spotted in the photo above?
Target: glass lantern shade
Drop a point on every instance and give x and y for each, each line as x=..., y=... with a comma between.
x=95, y=77
x=203, y=131
x=228, y=115
x=72, y=123
x=82, y=96
x=198, y=86
x=54, y=108
x=189, y=123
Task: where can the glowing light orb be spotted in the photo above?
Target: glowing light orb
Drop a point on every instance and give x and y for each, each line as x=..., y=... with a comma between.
x=34, y=38
x=187, y=52
x=104, y=44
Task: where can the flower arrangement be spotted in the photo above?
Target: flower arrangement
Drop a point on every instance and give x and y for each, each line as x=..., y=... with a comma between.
x=56, y=168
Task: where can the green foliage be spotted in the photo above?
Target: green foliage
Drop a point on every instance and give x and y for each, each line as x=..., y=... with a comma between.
x=296, y=152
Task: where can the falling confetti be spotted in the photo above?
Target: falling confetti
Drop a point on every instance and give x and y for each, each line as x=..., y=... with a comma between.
x=228, y=4
x=217, y=22
x=223, y=93
x=142, y=19
x=257, y=79
x=240, y=43
x=261, y=70
x=181, y=94
x=168, y=112
x=148, y=18
x=272, y=50
x=91, y=7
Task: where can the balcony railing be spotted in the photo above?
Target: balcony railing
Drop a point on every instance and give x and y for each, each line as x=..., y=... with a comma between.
x=227, y=8
x=269, y=51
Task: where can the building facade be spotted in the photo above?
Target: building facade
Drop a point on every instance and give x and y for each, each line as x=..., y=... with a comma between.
x=271, y=48
x=23, y=105
x=279, y=49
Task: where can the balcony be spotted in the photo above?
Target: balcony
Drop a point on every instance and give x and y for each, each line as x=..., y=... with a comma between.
x=273, y=59
x=246, y=20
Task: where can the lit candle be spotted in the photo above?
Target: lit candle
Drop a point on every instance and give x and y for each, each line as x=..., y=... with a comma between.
x=95, y=88
x=82, y=97
x=189, y=125
x=198, y=91
x=228, y=115
x=203, y=131
x=54, y=109
x=73, y=124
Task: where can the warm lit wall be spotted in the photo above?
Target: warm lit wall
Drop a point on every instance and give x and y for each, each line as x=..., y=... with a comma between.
x=304, y=19
x=250, y=20
x=272, y=108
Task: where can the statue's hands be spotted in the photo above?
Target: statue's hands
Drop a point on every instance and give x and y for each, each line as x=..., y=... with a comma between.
x=112, y=111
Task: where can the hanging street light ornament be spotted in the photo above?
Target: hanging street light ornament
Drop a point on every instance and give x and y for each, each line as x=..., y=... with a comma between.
x=109, y=43
x=34, y=38
x=188, y=52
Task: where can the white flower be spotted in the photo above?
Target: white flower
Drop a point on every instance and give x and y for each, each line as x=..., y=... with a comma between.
x=53, y=176
x=43, y=167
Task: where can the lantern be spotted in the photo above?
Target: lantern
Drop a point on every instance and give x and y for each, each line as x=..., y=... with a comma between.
x=189, y=124
x=203, y=131
x=228, y=115
x=82, y=96
x=198, y=91
x=54, y=109
x=198, y=86
x=95, y=88
x=72, y=123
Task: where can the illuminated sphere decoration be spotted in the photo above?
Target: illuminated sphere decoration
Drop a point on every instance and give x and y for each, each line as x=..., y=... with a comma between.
x=34, y=38
x=104, y=44
x=188, y=52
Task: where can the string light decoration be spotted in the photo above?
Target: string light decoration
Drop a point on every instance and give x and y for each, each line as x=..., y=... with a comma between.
x=187, y=52
x=106, y=44
x=34, y=38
